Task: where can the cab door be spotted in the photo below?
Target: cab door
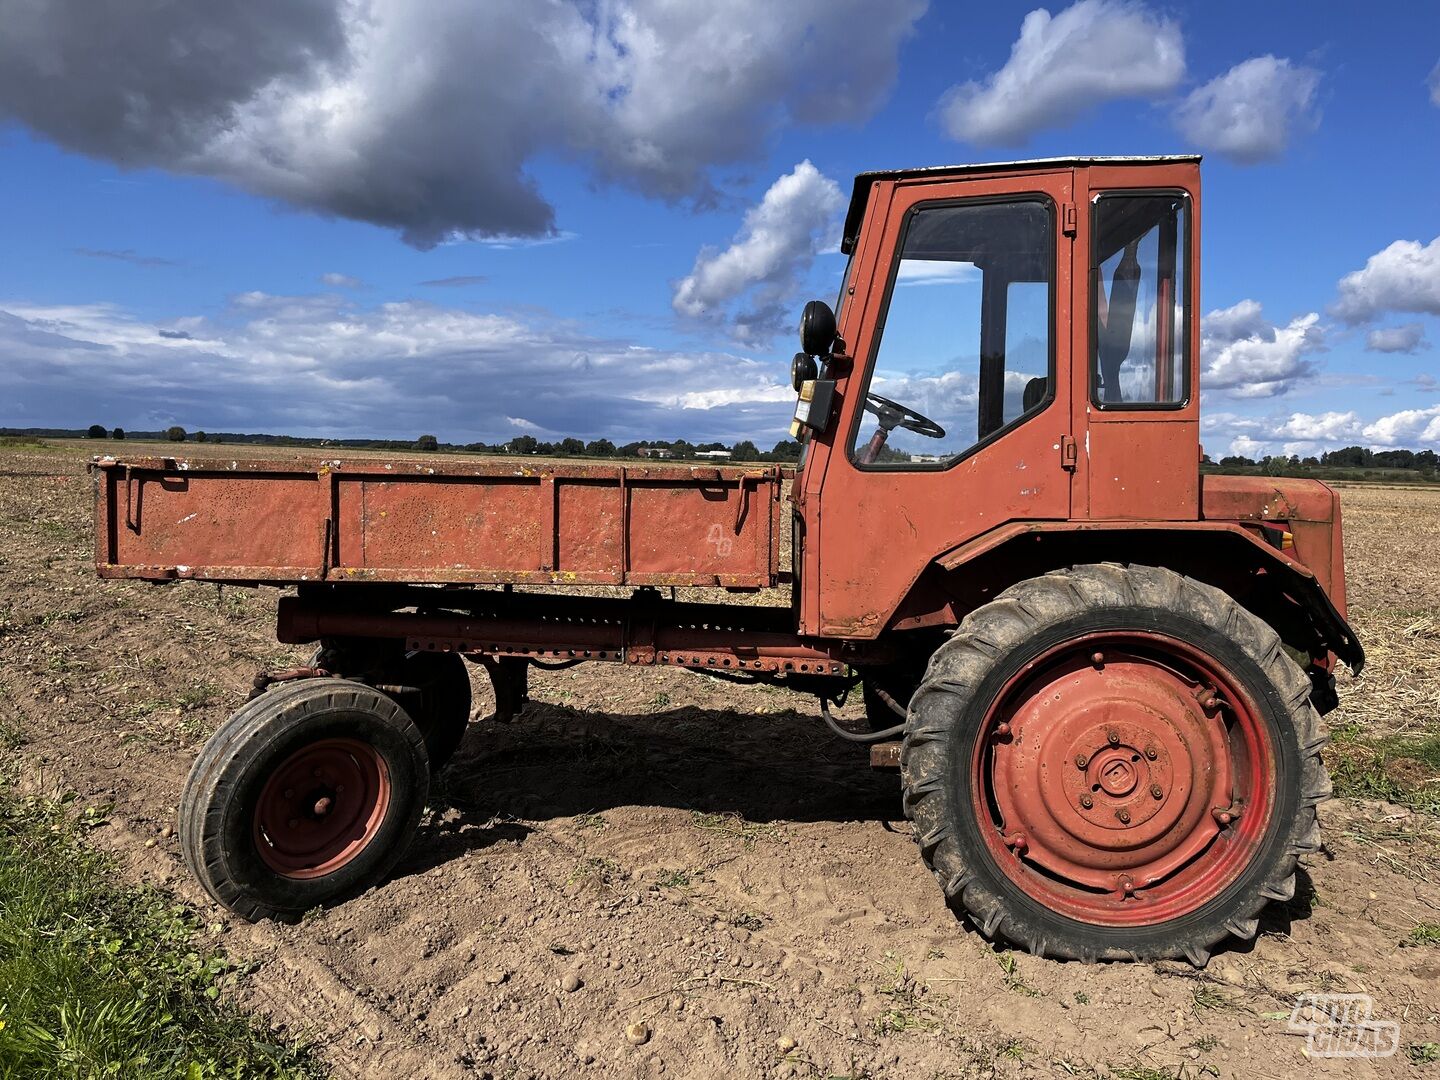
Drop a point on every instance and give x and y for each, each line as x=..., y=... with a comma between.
x=954, y=414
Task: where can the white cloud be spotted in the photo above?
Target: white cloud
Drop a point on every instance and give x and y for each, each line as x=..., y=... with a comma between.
x=341, y=281
x=1409, y=338
x=1248, y=113
x=1245, y=446
x=1434, y=82
x=1409, y=428
x=1328, y=427
x=324, y=365
x=1246, y=356
x=1403, y=277
x=426, y=117
x=1309, y=434
x=767, y=259
x=1245, y=319
x=1061, y=66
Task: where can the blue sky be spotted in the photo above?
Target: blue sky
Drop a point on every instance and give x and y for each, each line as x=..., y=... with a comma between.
x=596, y=219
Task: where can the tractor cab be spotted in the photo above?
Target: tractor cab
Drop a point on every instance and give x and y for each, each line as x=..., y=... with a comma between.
x=1013, y=342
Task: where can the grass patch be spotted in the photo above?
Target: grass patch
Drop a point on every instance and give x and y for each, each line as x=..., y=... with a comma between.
x=1394, y=769
x=1205, y=997
x=735, y=827
x=674, y=879
x=99, y=979
x=1425, y=933
x=1423, y=1053
x=1013, y=982
x=596, y=870
x=906, y=1011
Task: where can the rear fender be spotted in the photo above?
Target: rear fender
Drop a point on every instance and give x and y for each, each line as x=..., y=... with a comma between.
x=1230, y=556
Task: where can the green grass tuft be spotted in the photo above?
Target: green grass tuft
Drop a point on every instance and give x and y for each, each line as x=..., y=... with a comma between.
x=98, y=979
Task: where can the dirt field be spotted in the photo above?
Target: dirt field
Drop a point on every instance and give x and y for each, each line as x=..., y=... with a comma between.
x=707, y=859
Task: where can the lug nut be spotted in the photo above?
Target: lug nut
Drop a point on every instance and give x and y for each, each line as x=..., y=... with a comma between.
x=1002, y=729
x=1224, y=817
x=1017, y=842
x=1081, y=761
x=1112, y=737
x=1151, y=753
x=1124, y=816
x=1086, y=802
x=1156, y=792
x=1097, y=658
x=1125, y=883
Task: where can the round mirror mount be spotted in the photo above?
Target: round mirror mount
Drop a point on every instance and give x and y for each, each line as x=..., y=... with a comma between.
x=817, y=328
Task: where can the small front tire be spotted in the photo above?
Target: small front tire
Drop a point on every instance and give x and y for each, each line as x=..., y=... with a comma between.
x=306, y=796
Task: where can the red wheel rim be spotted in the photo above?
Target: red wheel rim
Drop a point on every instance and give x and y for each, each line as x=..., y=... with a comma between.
x=320, y=807
x=1123, y=779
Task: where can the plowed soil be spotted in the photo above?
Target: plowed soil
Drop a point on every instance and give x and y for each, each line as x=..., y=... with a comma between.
x=705, y=858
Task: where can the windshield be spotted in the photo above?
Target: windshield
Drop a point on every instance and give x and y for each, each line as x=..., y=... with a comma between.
x=965, y=344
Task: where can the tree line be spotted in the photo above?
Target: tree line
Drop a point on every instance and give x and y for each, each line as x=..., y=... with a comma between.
x=1425, y=464
x=744, y=450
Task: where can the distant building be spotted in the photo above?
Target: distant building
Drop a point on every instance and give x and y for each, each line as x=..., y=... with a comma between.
x=655, y=451
x=714, y=454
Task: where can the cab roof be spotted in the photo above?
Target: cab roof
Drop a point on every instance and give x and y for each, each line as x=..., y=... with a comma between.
x=864, y=180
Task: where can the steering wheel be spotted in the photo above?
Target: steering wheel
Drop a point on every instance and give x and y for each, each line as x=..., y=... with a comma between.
x=892, y=414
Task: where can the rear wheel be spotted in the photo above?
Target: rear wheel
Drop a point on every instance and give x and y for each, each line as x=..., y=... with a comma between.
x=440, y=700
x=1114, y=762
x=307, y=795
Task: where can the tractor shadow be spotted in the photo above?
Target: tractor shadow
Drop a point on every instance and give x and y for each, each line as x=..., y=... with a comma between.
x=556, y=762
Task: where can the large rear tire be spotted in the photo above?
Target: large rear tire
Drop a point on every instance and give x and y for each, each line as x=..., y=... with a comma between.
x=1113, y=762
x=307, y=795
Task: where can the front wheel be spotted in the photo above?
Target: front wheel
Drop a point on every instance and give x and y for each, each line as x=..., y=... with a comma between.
x=307, y=795
x=1114, y=762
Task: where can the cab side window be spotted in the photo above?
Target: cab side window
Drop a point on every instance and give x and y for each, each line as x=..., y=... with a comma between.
x=965, y=343
x=1138, y=300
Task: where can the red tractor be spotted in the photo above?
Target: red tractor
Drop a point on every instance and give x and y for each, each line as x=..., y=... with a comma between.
x=1101, y=675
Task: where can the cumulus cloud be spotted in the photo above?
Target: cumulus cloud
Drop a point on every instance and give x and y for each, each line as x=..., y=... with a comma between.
x=426, y=117
x=324, y=365
x=750, y=284
x=1246, y=356
x=1409, y=338
x=341, y=281
x=1249, y=113
x=1409, y=428
x=1063, y=65
x=1311, y=434
x=1404, y=277
x=1327, y=427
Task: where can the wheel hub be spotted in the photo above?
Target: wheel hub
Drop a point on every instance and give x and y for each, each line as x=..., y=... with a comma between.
x=320, y=807
x=1108, y=771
